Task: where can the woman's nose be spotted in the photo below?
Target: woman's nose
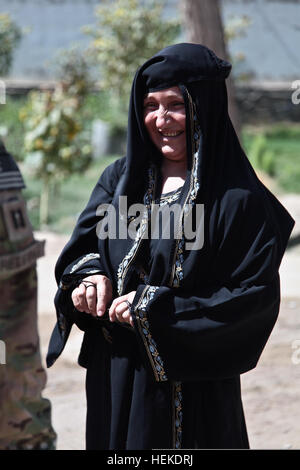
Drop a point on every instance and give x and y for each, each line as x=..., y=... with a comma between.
x=162, y=116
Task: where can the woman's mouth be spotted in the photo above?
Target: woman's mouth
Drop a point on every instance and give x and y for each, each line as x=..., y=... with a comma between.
x=171, y=134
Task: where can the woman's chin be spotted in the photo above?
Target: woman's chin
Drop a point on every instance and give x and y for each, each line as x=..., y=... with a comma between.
x=173, y=156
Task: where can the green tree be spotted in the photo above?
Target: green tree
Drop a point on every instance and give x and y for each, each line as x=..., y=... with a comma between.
x=55, y=144
x=126, y=34
x=73, y=67
x=10, y=36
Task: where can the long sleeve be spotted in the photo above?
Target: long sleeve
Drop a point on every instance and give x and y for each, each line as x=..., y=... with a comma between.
x=83, y=244
x=220, y=328
x=215, y=334
x=80, y=258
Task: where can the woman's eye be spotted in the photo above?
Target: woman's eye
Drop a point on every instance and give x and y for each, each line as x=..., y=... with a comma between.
x=150, y=106
x=178, y=104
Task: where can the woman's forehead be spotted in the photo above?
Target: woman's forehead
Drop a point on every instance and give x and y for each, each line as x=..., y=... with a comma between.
x=165, y=93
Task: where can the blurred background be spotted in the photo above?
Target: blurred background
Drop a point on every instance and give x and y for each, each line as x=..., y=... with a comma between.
x=66, y=68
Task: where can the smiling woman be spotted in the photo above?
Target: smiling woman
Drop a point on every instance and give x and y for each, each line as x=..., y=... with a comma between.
x=165, y=120
x=196, y=317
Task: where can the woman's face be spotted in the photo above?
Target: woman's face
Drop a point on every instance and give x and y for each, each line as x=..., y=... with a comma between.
x=164, y=117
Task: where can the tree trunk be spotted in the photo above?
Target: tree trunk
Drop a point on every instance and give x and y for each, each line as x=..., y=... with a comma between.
x=203, y=25
x=44, y=204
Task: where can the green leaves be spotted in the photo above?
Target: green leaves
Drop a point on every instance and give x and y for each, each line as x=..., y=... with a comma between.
x=54, y=134
x=10, y=36
x=126, y=35
x=56, y=145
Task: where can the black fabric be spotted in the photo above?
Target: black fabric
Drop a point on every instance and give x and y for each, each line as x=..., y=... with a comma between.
x=204, y=315
x=10, y=175
x=183, y=64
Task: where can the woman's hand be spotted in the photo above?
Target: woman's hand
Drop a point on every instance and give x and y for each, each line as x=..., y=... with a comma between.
x=120, y=309
x=93, y=295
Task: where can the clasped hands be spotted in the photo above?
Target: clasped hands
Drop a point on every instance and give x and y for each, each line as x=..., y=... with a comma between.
x=94, y=294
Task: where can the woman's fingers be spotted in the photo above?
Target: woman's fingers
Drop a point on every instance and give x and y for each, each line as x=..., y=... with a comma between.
x=120, y=309
x=79, y=298
x=93, y=295
x=122, y=313
x=127, y=317
x=116, y=303
x=104, y=295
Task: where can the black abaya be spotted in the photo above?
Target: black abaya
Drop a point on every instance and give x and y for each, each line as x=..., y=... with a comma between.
x=202, y=316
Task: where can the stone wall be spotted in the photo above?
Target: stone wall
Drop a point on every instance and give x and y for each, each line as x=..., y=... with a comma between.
x=267, y=103
x=259, y=102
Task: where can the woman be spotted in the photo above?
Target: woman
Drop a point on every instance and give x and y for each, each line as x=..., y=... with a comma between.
x=189, y=312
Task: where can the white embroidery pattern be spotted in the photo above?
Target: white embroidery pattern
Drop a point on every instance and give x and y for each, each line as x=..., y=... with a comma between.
x=84, y=260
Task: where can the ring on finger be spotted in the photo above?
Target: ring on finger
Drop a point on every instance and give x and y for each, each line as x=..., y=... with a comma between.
x=89, y=284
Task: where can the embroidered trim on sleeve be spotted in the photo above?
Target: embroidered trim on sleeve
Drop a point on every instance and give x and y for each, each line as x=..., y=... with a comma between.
x=84, y=260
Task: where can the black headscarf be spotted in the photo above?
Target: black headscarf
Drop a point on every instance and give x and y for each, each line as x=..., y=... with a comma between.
x=229, y=288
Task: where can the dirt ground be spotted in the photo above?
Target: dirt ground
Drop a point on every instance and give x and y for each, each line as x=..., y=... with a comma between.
x=271, y=392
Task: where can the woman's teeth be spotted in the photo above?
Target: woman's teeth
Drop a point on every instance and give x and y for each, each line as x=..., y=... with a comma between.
x=170, y=134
